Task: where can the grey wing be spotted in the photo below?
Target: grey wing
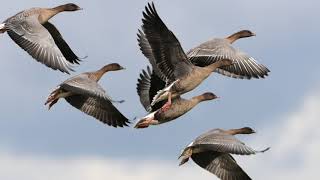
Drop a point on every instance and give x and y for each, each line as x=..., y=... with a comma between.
x=61, y=43
x=147, y=87
x=147, y=52
x=101, y=109
x=220, y=142
x=222, y=165
x=35, y=39
x=167, y=51
x=212, y=51
x=81, y=84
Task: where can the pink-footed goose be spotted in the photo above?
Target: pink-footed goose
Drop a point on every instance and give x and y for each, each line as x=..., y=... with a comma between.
x=212, y=150
x=84, y=93
x=148, y=85
x=216, y=49
x=168, y=59
x=32, y=31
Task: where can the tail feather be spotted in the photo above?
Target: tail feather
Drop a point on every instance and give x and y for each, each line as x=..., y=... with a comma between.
x=52, y=96
x=143, y=122
x=3, y=28
x=140, y=124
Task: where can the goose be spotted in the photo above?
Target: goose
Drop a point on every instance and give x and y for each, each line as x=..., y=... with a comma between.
x=212, y=150
x=33, y=32
x=84, y=93
x=166, y=56
x=148, y=85
x=216, y=49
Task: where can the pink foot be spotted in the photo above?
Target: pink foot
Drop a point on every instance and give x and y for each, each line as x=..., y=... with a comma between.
x=166, y=107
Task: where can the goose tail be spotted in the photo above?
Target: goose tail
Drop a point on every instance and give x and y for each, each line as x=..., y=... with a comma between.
x=3, y=28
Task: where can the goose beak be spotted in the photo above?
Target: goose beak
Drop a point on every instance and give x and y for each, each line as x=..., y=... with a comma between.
x=79, y=8
x=122, y=68
x=254, y=34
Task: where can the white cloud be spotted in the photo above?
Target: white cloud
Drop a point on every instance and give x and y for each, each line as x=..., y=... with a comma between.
x=93, y=168
x=294, y=155
x=295, y=144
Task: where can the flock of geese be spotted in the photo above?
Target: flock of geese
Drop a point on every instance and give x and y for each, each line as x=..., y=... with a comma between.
x=172, y=73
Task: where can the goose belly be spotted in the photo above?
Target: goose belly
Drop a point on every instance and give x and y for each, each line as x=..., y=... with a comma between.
x=176, y=110
x=191, y=82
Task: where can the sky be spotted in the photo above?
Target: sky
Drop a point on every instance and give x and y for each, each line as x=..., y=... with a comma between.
x=64, y=143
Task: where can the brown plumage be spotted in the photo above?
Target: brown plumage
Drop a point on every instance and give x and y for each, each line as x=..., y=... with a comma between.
x=168, y=59
x=84, y=93
x=32, y=31
x=212, y=150
x=147, y=86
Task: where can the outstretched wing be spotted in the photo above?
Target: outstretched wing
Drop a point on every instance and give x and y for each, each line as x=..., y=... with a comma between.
x=148, y=53
x=99, y=108
x=147, y=87
x=61, y=43
x=82, y=85
x=215, y=50
x=35, y=39
x=167, y=51
x=218, y=141
x=222, y=165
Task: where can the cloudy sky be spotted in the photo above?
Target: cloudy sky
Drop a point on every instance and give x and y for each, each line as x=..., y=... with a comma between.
x=64, y=143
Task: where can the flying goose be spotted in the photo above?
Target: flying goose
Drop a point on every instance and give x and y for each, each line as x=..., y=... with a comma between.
x=148, y=85
x=244, y=66
x=32, y=31
x=212, y=150
x=84, y=93
x=168, y=59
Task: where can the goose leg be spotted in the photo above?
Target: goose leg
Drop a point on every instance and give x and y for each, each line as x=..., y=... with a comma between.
x=167, y=105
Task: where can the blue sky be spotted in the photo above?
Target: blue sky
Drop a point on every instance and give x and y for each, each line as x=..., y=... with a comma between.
x=286, y=42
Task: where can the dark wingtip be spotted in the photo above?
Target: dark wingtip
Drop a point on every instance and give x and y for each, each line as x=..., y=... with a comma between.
x=262, y=151
x=119, y=101
x=122, y=124
x=81, y=58
x=139, y=34
x=126, y=123
x=67, y=72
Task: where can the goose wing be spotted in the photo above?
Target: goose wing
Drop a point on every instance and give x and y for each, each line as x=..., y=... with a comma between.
x=244, y=66
x=147, y=87
x=223, y=166
x=36, y=40
x=216, y=140
x=99, y=108
x=167, y=51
